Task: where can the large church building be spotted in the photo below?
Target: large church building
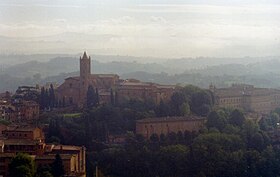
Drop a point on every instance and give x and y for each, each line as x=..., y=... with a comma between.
x=74, y=89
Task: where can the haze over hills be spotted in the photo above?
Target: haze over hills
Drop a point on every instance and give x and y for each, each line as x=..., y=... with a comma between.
x=97, y=123
x=201, y=71
x=182, y=63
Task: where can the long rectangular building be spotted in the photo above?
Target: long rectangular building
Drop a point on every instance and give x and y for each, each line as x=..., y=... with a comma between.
x=166, y=125
x=247, y=97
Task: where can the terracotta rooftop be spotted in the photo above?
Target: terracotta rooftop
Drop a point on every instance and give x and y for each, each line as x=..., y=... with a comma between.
x=20, y=142
x=66, y=147
x=77, y=78
x=21, y=129
x=52, y=157
x=105, y=75
x=7, y=154
x=166, y=86
x=136, y=84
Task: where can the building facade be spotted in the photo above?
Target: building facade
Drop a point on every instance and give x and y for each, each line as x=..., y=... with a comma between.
x=247, y=97
x=166, y=125
x=19, y=110
x=31, y=140
x=145, y=91
x=74, y=90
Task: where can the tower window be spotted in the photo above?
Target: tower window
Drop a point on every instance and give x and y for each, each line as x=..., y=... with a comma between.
x=70, y=85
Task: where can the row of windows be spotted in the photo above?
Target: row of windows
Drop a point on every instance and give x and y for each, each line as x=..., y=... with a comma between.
x=25, y=135
x=152, y=126
x=231, y=100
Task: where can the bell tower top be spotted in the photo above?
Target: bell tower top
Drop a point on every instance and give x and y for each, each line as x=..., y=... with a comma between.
x=85, y=55
x=85, y=65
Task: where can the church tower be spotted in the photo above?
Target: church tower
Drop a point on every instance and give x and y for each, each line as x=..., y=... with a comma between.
x=85, y=66
x=85, y=73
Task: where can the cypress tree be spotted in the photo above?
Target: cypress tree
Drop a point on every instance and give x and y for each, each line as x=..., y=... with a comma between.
x=57, y=167
x=91, y=97
x=52, y=96
x=42, y=98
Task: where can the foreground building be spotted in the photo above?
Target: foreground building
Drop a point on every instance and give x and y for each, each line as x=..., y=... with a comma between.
x=166, y=125
x=19, y=110
x=31, y=140
x=73, y=92
x=247, y=97
x=7, y=110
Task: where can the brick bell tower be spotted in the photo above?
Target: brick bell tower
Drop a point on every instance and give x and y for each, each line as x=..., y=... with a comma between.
x=85, y=73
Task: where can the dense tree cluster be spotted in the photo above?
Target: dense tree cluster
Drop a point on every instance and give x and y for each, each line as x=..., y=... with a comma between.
x=22, y=165
x=98, y=123
x=26, y=93
x=187, y=100
x=229, y=145
x=271, y=122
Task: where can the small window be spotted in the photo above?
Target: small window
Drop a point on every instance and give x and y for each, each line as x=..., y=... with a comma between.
x=70, y=85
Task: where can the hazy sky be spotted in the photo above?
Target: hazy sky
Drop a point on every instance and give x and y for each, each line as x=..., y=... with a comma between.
x=161, y=28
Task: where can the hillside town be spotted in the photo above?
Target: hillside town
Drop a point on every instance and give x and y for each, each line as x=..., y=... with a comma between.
x=76, y=122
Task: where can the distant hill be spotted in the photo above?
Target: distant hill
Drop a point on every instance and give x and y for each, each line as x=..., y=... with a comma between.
x=70, y=64
x=200, y=71
x=46, y=66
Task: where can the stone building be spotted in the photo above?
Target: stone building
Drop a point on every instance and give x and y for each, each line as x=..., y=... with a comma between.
x=24, y=139
x=7, y=110
x=166, y=125
x=31, y=140
x=74, y=90
x=247, y=97
x=19, y=110
x=27, y=110
x=134, y=89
